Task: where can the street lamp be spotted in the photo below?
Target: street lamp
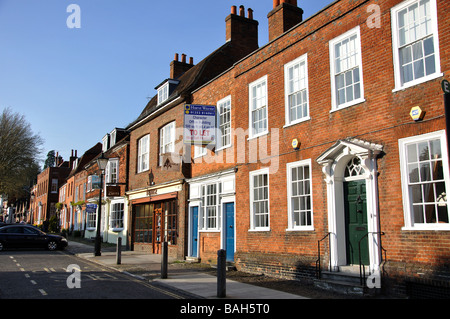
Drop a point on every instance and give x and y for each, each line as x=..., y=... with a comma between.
x=101, y=162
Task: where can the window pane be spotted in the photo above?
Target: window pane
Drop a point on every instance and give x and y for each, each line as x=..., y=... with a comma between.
x=427, y=188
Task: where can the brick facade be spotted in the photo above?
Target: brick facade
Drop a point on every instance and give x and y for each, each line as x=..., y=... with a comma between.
x=381, y=119
x=243, y=192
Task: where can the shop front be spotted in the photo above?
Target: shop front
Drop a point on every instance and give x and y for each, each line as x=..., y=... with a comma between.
x=156, y=215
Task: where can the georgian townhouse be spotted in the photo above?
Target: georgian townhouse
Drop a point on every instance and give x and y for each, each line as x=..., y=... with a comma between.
x=159, y=162
x=66, y=196
x=116, y=147
x=46, y=193
x=113, y=203
x=332, y=135
x=73, y=193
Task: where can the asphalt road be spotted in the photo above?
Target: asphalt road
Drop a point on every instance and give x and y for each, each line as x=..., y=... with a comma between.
x=40, y=274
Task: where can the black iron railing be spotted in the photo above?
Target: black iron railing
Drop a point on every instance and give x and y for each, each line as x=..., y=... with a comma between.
x=362, y=269
x=318, y=266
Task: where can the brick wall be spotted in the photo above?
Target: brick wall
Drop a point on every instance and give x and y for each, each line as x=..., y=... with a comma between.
x=383, y=118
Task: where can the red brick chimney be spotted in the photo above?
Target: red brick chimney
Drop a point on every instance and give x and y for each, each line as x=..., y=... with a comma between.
x=284, y=16
x=177, y=68
x=241, y=30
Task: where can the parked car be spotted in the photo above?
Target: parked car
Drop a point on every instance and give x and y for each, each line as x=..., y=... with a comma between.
x=26, y=236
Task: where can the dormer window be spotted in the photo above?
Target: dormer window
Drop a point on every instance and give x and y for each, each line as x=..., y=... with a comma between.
x=165, y=89
x=163, y=93
x=105, y=143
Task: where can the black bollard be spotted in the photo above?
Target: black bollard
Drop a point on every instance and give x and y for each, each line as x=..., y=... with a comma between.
x=221, y=273
x=164, y=260
x=119, y=251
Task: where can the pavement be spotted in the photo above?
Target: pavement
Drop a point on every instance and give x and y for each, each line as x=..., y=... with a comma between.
x=194, y=283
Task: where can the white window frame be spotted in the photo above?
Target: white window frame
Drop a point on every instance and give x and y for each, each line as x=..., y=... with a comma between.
x=396, y=45
x=112, y=169
x=91, y=220
x=263, y=102
x=407, y=202
x=223, y=108
x=199, y=151
x=105, y=143
x=301, y=62
x=291, y=223
x=143, y=154
x=253, y=227
x=358, y=63
x=163, y=93
x=166, y=146
x=113, y=218
x=203, y=216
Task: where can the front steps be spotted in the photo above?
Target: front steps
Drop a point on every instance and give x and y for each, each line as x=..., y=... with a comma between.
x=345, y=281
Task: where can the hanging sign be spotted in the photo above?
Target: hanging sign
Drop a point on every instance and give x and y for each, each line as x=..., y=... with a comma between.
x=199, y=124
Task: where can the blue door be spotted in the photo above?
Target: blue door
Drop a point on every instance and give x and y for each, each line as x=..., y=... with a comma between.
x=229, y=231
x=194, y=235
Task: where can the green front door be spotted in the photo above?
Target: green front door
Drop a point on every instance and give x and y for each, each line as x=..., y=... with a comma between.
x=356, y=221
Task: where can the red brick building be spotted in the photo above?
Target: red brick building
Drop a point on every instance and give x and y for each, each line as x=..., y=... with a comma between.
x=159, y=162
x=46, y=191
x=319, y=142
x=72, y=194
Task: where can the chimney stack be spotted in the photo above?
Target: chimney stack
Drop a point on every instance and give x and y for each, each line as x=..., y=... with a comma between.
x=285, y=15
x=178, y=68
x=242, y=31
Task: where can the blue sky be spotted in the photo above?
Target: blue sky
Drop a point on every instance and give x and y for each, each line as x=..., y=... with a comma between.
x=76, y=85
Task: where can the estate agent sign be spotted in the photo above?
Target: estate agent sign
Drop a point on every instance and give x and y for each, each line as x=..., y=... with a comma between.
x=199, y=124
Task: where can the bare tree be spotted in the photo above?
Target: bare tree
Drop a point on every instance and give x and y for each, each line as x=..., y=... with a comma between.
x=19, y=152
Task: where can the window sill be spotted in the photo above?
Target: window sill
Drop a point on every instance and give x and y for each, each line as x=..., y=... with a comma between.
x=209, y=231
x=347, y=105
x=117, y=230
x=265, y=229
x=433, y=227
x=256, y=136
x=417, y=82
x=297, y=122
x=223, y=148
x=303, y=229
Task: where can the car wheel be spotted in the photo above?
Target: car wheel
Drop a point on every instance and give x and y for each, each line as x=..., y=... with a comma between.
x=52, y=245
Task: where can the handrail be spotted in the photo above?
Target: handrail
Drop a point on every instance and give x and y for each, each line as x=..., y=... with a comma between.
x=318, y=267
x=362, y=270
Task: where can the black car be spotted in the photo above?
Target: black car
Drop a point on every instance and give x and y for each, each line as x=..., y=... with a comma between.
x=26, y=236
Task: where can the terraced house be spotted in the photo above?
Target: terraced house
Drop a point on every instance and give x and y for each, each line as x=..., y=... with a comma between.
x=330, y=154
x=333, y=137
x=159, y=162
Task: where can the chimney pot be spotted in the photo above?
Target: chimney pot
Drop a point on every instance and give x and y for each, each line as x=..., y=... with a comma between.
x=191, y=61
x=233, y=10
x=242, y=11
x=285, y=15
x=250, y=13
x=176, y=57
x=183, y=58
